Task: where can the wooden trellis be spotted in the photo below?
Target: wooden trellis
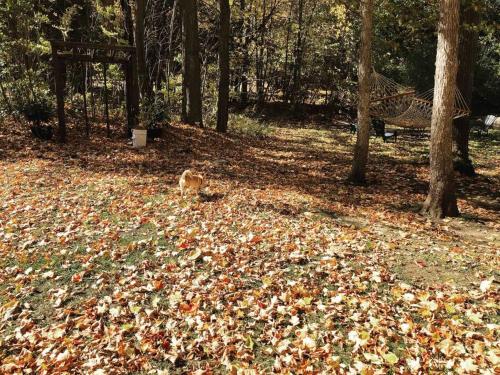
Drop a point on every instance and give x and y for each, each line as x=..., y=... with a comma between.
x=74, y=52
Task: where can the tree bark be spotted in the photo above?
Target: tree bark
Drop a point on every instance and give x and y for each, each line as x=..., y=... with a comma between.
x=128, y=26
x=286, y=83
x=467, y=55
x=297, y=66
x=140, y=14
x=192, y=70
x=259, y=57
x=358, y=170
x=246, y=58
x=169, y=50
x=224, y=31
x=441, y=200
x=185, y=76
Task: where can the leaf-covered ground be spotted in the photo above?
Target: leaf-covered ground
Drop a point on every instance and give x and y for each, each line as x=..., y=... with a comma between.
x=280, y=266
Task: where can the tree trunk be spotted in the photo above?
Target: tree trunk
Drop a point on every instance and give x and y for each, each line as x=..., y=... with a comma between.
x=144, y=86
x=286, y=82
x=223, y=102
x=297, y=66
x=169, y=50
x=185, y=76
x=128, y=26
x=358, y=171
x=467, y=55
x=259, y=57
x=441, y=200
x=246, y=58
x=192, y=71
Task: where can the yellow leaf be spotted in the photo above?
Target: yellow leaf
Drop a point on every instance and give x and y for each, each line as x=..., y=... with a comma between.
x=391, y=358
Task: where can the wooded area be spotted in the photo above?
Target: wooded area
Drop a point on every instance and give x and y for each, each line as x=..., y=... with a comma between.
x=249, y=186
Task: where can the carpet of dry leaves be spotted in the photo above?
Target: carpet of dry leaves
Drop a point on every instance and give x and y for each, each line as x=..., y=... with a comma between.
x=279, y=266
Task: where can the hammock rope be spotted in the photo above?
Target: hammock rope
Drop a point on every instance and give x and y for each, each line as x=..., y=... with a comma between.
x=402, y=106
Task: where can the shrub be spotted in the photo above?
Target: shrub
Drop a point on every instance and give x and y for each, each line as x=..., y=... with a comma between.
x=37, y=110
x=154, y=113
x=31, y=98
x=241, y=124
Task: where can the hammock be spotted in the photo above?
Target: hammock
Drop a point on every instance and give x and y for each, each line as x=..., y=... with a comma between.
x=401, y=106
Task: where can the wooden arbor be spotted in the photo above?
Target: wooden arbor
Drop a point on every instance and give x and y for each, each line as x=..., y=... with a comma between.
x=72, y=52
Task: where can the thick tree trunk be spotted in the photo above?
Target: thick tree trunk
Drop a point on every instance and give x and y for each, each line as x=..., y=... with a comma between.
x=467, y=55
x=223, y=102
x=358, y=171
x=192, y=70
x=131, y=72
x=441, y=200
x=140, y=14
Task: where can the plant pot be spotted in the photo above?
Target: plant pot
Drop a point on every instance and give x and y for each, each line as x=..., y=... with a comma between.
x=154, y=133
x=43, y=132
x=139, y=137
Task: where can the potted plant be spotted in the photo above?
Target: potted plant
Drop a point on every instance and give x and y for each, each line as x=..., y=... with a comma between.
x=39, y=111
x=154, y=116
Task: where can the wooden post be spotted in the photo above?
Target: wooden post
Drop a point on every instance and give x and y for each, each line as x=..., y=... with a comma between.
x=85, y=107
x=106, y=104
x=128, y=98
x=92, y=97
x=134, y=93
x=60, y=76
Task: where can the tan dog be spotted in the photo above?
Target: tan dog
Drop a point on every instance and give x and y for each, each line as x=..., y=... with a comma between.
x=190, y=181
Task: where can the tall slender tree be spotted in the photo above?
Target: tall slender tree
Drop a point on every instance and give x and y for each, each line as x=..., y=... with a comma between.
x=441, y=200
x=259, y=54
x=467, y=56
x=297, y=65
x=128, y=23
x=192, y=68
x=224, y=34
x=245, y=65
x=358, y=171
x=169, y=48
x=286, y=83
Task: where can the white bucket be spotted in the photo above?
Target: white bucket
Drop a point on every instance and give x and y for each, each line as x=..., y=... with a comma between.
x=139, y=137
